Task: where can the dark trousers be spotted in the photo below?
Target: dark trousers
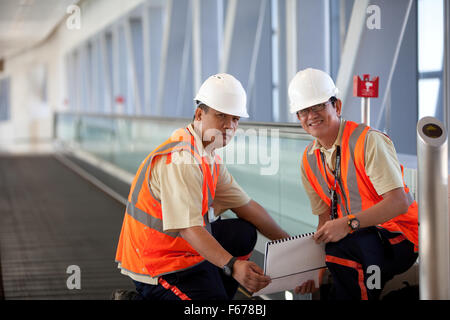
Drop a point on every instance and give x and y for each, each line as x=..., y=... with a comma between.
x=357, y=260
x=205, y=281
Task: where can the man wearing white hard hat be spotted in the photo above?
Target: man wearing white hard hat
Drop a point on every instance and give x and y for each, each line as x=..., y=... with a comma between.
x=172, y=244
x=367, y=216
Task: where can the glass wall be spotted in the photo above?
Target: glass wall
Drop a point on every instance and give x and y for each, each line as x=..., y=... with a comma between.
x=152, y=60
x=264, y=160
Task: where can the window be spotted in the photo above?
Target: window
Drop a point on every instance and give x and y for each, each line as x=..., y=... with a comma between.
x=99, y=75
x=125, y=89
x=4, y=99
x=250, y=55
x=430, y=57
x=138, y=59
x=109, y=71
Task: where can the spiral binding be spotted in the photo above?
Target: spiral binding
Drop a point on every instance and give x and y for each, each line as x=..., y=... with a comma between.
x=292, y=238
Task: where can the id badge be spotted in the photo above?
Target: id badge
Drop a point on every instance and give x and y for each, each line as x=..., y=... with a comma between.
x=333, y=205
x=211, y=216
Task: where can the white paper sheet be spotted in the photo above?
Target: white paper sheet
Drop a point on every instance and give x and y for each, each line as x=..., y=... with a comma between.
x=291, y=262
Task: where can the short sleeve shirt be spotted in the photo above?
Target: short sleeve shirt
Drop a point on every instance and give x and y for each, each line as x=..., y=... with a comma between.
x=381, y=165
x=178, y=185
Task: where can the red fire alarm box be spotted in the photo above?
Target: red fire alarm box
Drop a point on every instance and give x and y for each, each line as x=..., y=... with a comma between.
x=120, y=99
x=365, y=88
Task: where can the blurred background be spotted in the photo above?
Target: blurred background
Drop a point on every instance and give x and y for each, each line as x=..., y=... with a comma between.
x=88, y=88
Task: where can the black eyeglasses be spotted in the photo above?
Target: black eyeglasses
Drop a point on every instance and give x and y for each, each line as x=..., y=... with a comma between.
x=317, y=108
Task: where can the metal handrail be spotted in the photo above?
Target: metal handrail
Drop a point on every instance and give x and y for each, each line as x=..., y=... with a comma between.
x=286, y=130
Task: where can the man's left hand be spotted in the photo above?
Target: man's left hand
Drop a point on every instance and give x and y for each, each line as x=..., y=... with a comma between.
x=332, y=231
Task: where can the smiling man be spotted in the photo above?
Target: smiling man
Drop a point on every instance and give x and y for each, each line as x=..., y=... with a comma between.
x=173, y=243
x=367, y=217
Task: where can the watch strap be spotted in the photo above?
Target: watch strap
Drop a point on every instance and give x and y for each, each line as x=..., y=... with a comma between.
x=230, y=264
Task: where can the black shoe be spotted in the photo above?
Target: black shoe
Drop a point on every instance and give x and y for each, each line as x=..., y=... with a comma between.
x=122, y=294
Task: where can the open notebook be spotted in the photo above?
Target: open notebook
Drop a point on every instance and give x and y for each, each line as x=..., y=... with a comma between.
x=292, y=261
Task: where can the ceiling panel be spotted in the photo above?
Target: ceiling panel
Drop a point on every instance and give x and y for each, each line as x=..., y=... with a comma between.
x=24, y=23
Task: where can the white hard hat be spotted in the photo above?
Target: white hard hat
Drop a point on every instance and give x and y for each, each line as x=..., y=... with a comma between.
x=224, y=93
x=310, y=87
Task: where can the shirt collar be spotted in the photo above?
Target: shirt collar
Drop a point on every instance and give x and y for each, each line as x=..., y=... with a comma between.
x=199, y=142
x=337, y=142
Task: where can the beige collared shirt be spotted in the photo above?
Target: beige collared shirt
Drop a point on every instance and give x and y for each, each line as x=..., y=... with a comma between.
x=178, y=185
x=381, y=164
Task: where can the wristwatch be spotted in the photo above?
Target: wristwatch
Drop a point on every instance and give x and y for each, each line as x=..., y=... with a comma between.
x=228, y=268
x=353, y=223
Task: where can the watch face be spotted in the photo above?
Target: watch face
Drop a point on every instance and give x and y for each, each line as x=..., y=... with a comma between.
x=354, y=224
x=227, y=270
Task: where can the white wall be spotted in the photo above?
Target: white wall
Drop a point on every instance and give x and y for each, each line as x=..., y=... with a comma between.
x=42, y=69
x=31, y=74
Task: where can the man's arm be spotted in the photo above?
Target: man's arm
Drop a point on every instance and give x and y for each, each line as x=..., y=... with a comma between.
x=324, y=217
x=394, y=203
x=254, y=213
x=383, y=169
x=247, y=273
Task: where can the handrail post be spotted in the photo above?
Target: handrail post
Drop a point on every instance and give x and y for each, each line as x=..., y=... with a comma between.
x=434, y=245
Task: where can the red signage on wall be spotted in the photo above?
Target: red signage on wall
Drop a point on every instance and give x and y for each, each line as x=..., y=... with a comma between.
x=365, y=88
x=120, y=99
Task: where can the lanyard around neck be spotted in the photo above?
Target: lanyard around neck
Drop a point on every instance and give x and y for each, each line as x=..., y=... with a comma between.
x=337, y=167
x=337, y=175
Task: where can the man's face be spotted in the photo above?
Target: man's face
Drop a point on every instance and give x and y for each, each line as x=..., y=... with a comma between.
x=320, y=120
x=217, y=128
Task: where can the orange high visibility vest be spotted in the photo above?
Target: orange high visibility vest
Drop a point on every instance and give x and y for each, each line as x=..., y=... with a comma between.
x=144, y=247
x=356, y=192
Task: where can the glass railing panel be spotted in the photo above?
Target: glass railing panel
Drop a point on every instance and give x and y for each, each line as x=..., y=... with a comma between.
x=124, y=142
x=65, y=127
x=411, y=181
x=265, y=161
x=96, y=136
x=267, y=167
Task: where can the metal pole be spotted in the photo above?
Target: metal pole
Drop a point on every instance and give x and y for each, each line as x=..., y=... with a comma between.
x=434, y=252
x=394, y=62
x=365, y=110
x=255, y=54
x=228, y=35
x=291, y=45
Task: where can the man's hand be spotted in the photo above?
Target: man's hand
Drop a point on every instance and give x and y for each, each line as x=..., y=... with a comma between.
x=394, y=203
x=332, y=231
x=247, y=273
x=309, y=286
x=306, y=287
x=250, y=275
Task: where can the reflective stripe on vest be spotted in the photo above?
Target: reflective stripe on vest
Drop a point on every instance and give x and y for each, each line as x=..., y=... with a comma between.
x=355, y=190
x=144, y=247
